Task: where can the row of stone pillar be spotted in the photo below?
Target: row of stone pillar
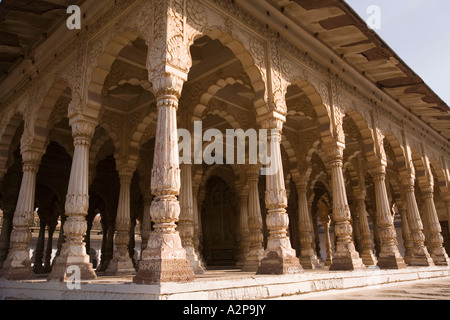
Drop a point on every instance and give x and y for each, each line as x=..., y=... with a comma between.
x=166, y=256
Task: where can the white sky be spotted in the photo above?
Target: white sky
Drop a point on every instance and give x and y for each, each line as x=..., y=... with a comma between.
x=419, y=32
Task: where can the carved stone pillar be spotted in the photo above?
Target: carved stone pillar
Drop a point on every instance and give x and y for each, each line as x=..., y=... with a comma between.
x=146, y=226
x=164, y=259
x=322, y=212
x=244, y=231
x=73, y=251
x=308, y=258
x=279, y=257
x=17, y=265
x=419, y=252
x=121, y=262
x=186, y=224
x=435, y=241
x=345, y=257
x=389, y=256
x=5, y=235
x=255, y=237
x=367, y=254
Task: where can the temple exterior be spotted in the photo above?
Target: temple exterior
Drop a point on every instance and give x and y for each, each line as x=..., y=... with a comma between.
x=90, y=121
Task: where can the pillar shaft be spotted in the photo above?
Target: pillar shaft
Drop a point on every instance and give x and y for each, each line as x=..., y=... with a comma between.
x=17, y=265
x=121, y=262
x=279, y=257
x=435, y=241
x=255, y=236
x=308, y=258
x=186, y=224
x=345, y=257
x=164, y=259
x=73, y=251
x=419, y=253
x=244, y=231
x=322, y=211
x=367, y=254
x=197, y=226
x=389, y=257
x=146, y=226
x=5, y=235
x=406, y=234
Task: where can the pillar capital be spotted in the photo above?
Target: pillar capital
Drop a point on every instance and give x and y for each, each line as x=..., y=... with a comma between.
x=253, y=172
x=82, y=127
x=334, y=151
x=428, y=190
x=31, y=159
x=273, y=120
x=378, y=169
x=126, y=174
x=168, y=85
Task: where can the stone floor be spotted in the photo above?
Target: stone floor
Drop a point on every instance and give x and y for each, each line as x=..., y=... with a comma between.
x=236, y=285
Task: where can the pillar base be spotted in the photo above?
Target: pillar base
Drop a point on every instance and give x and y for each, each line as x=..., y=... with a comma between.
x=66, y=260
x=310, y=262
x=164, y=260
x=194, y=261
x=440, y=257
x=279, y=258
x=253, y=260
x=369, y=259
x=392, y=260
x=17, y=266
x=419, y=257
x=347, y=261
x=120, y=265
x=14, y=274
x=274, y=264
x=60, y=272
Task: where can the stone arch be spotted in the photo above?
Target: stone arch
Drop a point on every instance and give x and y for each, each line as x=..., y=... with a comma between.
x=320, y=109
x=291, y=155
x=208, y=95
x=438, y=172
x=422, y=176
x=366, y=135
x=6, y=141
x=49, y=112
x=217, y=170
x=401, y=164
x=104, y=62
x=248, y=60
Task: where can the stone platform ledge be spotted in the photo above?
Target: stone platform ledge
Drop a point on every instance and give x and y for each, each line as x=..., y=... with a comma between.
x=214, y=285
